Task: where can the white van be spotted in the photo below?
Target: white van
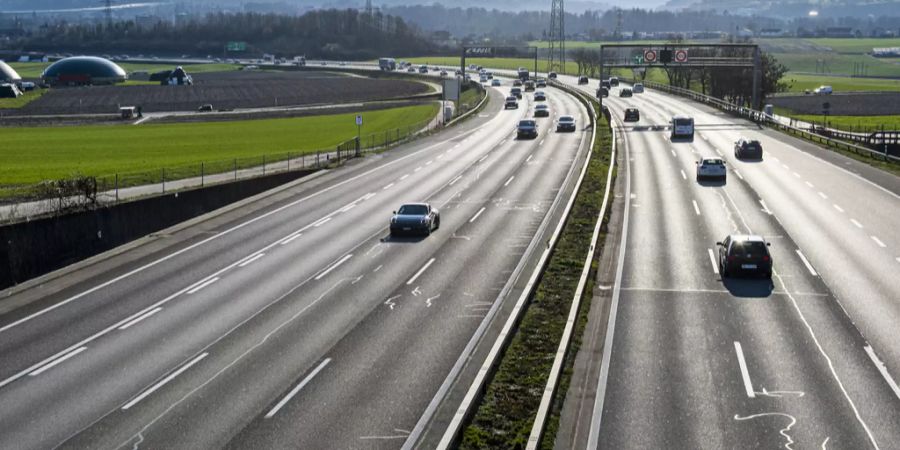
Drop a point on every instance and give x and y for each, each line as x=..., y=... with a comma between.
x=682, y=127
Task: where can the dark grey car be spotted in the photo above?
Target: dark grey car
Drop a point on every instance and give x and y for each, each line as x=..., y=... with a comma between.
x=415, y=218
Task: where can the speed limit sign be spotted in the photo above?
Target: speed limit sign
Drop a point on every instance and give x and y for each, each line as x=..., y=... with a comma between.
x=649, y=56
x=681, y=56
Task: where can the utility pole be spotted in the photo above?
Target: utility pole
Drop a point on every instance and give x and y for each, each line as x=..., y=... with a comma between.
x=556, y=57
x=107, y=10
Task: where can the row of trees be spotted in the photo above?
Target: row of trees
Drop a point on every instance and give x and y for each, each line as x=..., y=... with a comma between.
x=333, y=34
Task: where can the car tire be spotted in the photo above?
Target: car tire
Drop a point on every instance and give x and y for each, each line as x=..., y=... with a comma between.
x=437, y=223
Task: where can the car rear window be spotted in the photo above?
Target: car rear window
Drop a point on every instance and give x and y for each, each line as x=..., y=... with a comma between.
x=712, y=162
x=683, y=122
x=755, y=249
x=566, y=119
x=413, y=210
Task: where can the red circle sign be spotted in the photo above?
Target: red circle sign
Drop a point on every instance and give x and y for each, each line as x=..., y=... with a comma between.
x=649, y=56
x=681, y=56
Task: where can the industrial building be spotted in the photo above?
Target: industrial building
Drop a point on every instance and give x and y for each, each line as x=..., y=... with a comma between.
x=83, y=70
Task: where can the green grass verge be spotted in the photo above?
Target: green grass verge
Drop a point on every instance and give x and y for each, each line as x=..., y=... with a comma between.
x=16, y=103
x=34, y=69
x=32, y=154
x=848, y=123
x=506, y=412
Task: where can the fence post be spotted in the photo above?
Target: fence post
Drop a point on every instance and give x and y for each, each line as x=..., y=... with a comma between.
x=235, y=169
x=289, y=162
x=117, y=188
x=164, y=180
x=264, y=165
x=202, y=174
x=317, y=159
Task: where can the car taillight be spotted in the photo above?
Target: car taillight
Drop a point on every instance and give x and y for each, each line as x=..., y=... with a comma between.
x=731, y=258
x=766, y=258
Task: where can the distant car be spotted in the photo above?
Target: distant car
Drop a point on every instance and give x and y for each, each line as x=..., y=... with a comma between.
x=542, y=83
x=540, y=96
x=495, y=82
x=583, y=80
x=517, y=92
x=443, y=74
x=517, y=82
x=682, y=127
x=823, y=90
x=411, y=69
x=632, y=115
x=625, y=92
x=28, y=86
x=739, y=253
x=711, y=168
x=747, y=148
x=602, y=92
x=529, y=86
x=490, y=75
x=527, y=128
x=613, y=81
x=511, y=102
x=205, y=108
x=605, y=83
x=541, y=110
x=638, y=88
x=415, y=218
x=566, y=123
x=552, y=75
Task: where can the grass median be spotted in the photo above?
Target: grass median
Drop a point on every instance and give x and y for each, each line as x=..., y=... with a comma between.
x=507, y=410
x=33, y=154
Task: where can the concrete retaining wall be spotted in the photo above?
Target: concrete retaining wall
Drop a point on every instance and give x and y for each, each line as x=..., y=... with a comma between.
x=855, y=104
x=31, y=249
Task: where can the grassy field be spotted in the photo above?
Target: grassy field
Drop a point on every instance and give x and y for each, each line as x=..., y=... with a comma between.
x=34, y=69
x=851, y=123
x=29, y=155
x=15, y=103
x=493, y=63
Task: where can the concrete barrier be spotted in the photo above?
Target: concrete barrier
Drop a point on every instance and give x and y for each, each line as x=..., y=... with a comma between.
x=31, y=249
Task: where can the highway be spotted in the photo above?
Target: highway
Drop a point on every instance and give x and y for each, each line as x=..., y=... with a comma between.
x=695, y=361
x=294, y=320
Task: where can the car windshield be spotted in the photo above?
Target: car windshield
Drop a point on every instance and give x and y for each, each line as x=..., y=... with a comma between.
x=755, y=249
x=526, y=123
x=413, y=210
x=566, y=119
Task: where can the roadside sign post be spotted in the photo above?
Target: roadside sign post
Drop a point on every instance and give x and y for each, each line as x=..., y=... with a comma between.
x=359, y=122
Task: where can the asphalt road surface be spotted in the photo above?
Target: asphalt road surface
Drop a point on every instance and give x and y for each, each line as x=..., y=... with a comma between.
x=295, y=321
x=701, y=362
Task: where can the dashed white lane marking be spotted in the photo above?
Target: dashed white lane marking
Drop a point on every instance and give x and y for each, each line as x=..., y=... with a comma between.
x=140, y=318
x=509, y=181
x=855, y=222
x=542, y=142
x=347, y=208
x=57, y=361
x=404, y=177
x=774, y=158
x=387, y=187
x=420, y=272
x=453, y=181
x=164, y=381
x=796, y=174
x=297, y=388
x=673, y=152
x=251, y=260
x=712, y=260
x=745, y=374
x=683, y=175
x=291, y=239
x=806, y=263
x=840, y=210
x=484, y=157
x=810, y=185
x=475, y=217
x=333, y=266
x=738, y=174
x=418, y=169
x=822, y=194
x=527, y=160
x=881, y=368
x=322, y=222
x=878, y=241
x=898, y=259
x=765, y=207
x=440, y=156
x=429, y=162
x=203, y=285
x=786, y=167
x=696, y=208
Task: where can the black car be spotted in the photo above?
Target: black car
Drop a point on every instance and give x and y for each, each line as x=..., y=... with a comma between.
x=415, y=218
x=511, y=103
x=540, y=96
x=583, y=80
x=625, y=92
x=527, y=128
x=605, y=83
x=566, y=123
x=516, y=92
x=740, y=253
x=541, y=110
x=613, y=81
x=551, y=75
x=602, y=92
x=632, y=115
x=747, y=148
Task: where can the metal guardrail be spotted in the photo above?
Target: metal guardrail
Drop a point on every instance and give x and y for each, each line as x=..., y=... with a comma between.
x=764, y=119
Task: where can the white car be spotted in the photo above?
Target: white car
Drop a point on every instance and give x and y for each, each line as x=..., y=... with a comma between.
x=823, y=90
x=711, y=168
x=638, y=88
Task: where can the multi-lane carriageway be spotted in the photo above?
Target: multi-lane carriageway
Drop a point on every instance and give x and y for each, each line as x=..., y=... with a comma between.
x=294, y=321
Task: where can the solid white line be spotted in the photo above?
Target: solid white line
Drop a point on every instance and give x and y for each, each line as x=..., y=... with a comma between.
x=203, y=285
x=878, y=241
x=683, y=175
x=251, y=260
x=738, y=174
x=822, y=194
x=333, y=266
x=696, y=208
x=881, y=368
x=809, y=266
x=291, y=239
x=453, y=181
x=712, y=259
x=423, y=269
x=765, y=207
x=164, y=381
x=57, y=361
x=745, y=374
x=841, y=210
x=387, y=187
x=297, y=388
x=140, y=318
x=477, y=214
x=404, y=177
x=508, y=181
x=854, y=222
x=322, y=222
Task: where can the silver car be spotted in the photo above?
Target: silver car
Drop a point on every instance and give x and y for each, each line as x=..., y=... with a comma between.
x=711, y=168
